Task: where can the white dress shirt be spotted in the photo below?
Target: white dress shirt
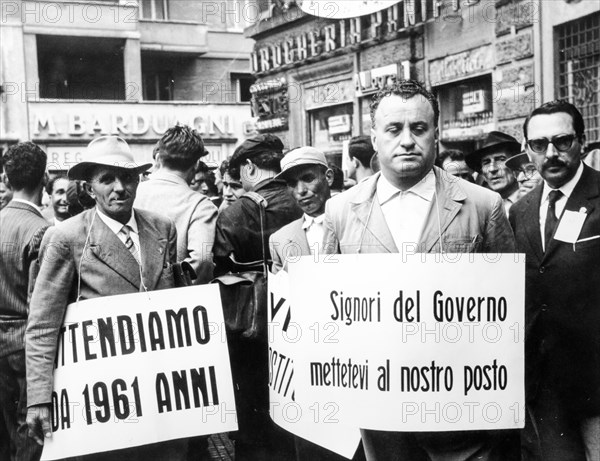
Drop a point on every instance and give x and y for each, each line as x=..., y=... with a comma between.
x=559, y=206
x=315, y=231
x=405, y=212
x=510, y=200
x=116, y=227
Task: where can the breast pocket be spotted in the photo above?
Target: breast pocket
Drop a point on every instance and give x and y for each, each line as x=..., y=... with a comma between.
x=463, y=244
x=587, y=244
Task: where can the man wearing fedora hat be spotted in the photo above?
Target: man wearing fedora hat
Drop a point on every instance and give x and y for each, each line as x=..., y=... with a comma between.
x=108, y=250
x=489, y=161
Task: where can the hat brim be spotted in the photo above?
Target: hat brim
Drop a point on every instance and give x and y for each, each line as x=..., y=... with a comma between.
x=82, y=170
x=285, y=174
x=474, y=159
x=517, y=161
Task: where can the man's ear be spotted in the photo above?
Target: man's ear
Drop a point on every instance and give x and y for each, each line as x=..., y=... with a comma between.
x=329, y=176
x=583, y=147
x=88, y=189
x=374, y=139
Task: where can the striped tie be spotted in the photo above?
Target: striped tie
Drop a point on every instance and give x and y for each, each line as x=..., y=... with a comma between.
x=126, y=232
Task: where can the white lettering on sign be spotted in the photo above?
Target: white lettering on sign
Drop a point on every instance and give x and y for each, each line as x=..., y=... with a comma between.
x=349, y=31
x=80, y=125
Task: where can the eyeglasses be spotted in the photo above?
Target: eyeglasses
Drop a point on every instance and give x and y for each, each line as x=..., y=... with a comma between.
x=562, y=142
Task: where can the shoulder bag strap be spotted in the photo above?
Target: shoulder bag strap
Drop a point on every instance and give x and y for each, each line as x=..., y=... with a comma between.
x=262, y=205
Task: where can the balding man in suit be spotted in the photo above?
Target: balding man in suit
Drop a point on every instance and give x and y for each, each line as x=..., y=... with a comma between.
x=414, y=207
x=21, y=230
x=111, y=249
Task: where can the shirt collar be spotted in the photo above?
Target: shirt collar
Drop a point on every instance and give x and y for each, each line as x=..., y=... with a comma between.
x=512, y=198
x=425, y=188
x=309, y=220
x=37, y=207
x=566, y=189
x=115, y=225
x=165, y=175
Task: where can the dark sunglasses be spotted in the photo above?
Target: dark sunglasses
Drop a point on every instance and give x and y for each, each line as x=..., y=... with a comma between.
x=562, y=142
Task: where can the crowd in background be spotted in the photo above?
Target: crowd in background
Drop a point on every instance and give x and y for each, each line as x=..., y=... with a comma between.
x=236, y=217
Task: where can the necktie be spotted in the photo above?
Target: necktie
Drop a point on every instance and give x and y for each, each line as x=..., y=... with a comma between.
x=126, y=232
x=551, y=219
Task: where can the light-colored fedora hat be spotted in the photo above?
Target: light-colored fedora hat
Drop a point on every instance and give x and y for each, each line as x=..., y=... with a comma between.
x=300, y=157
x=110, y=151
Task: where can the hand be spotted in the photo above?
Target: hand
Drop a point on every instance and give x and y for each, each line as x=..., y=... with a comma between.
x=38, y=421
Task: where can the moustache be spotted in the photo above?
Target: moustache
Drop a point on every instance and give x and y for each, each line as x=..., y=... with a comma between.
x=553, y=163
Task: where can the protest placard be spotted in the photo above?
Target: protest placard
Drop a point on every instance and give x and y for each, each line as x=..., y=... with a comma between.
x=140, y=368
x=316, y=422
x=420, y=342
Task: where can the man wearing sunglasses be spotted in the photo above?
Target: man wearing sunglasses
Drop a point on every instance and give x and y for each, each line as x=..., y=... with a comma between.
x=557, y=226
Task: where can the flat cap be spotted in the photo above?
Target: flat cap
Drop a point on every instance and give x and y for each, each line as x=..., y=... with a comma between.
x=300, y=157
x=254, y=146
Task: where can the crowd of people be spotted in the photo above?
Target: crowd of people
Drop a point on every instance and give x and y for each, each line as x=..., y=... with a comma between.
x=266, y=205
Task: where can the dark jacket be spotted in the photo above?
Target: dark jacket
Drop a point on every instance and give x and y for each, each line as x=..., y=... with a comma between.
x=562, y=299
x=238, y=227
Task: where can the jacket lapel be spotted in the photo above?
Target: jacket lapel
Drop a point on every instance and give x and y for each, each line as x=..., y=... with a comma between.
x=447, y=202
x=153, y=246
x=530, y=218
x=107, y=247
x=368, y=211
x=298, y=237
x=583, y=193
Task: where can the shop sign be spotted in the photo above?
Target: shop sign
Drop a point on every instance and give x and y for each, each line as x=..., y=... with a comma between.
x=461, y=65
x=339, y=124
x=328, y=94
x=63, y=157
x=279, y=123
x=473, y=102
x=53, y=121
x=342, y=33
x=371, y=81
x=270, y=103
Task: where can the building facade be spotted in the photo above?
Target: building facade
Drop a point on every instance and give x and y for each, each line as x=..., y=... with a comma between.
x=74, y=70
x=490, y=62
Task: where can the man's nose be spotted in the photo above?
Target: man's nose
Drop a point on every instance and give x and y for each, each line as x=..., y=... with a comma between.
x=301, y=188
x=118, y=185
x=551, y=151
x=406, y=138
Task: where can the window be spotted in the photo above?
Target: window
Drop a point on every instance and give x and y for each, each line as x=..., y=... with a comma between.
x=86, y=68
x=330, y=126
x=241, y=83
x=578, y=50
x=154, y=9
x=158, y=86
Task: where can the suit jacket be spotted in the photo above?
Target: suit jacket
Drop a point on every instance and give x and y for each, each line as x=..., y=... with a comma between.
x=194, y=215
x=21, y=230
x=105, y=267
x=563, y=300
x=471, y=219
x=288, y=243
